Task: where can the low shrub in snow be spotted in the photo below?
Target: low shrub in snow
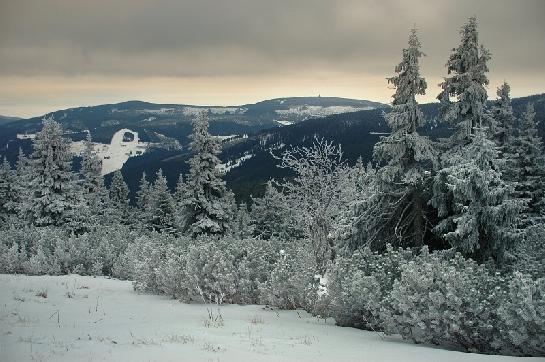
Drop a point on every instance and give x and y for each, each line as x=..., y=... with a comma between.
x=357, y=285
x=292, y=282
x=452, y=301
x=213, y=270
x=51, y=250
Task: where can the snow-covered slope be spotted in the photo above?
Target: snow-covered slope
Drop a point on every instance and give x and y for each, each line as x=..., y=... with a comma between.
x=115, y=154
x=74, y=318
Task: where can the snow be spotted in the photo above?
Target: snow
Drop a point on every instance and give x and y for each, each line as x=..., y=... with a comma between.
x=284, y=123
x=193, y=111
x=26, y=136
x=319, y=111
x=229, y=165
x=115, y=154
x=92, y=319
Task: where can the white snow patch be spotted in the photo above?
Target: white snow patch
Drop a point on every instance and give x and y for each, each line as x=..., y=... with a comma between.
x=380, y=133
x=26, y=136
x=231, y=164
x=284, y=123
x=319, y=111
x=115, y=154
x=100, y=319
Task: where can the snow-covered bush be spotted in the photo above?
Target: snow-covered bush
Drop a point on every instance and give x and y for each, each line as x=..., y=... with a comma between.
x=522, y=316
x=357, y=285
x=292, y=283
x=228, y=270
x=452, y=301
x=530, y=252
x=15, y=245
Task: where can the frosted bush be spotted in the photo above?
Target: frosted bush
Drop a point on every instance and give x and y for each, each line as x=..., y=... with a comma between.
x=358, y=284
x=292, y=283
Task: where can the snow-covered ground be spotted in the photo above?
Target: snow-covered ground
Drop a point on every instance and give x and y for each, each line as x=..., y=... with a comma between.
x=115, y=154
x=75, y=318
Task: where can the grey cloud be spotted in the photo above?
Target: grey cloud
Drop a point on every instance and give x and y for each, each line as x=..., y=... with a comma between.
x=232, y=37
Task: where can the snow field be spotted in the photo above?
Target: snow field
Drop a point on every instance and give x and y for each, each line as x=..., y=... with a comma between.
x=76, y=318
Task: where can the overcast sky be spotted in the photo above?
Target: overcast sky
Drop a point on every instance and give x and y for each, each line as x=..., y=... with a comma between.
x=63, y=53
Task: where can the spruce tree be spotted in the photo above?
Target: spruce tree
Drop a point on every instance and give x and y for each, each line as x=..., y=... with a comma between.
x=503, y=131
x=407, y=156
x=467, y=68
x=143, y=201
x=92, y=181
x=119, y=212
x=54, y=196
x=530, y=167
x=162, y=213
x=477, y=215
x=208, y=203
x=8, y=191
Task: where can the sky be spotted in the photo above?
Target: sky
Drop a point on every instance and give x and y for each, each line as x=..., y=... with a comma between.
x=56, y=54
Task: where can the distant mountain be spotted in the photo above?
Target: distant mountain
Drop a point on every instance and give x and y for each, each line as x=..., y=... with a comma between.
x=356, y=132
x=247, y=160
x=157, y=122
x=7, y=119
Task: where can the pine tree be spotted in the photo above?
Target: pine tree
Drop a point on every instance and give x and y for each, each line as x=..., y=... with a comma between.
x=162, y=213
x=208, y=203
x=467, y=68
x=54, y=196
x=530, y=167
x=477, y=216
x=119, y=200
x=408, y=157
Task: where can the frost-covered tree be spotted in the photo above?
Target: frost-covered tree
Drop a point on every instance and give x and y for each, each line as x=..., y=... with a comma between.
x=180, y=192
x=143, y=201
x=163, y=208
x=407, y=157
x=503, y=131
x=467, y=68
x=54, y=198
x=318, y=193
x=357, y=222
x=8, y=191
x=119, y=200
x=208, y=204
x=242, y=222
x=92, y=181
x=273, y=217
x=477, y=216
x=529, y=166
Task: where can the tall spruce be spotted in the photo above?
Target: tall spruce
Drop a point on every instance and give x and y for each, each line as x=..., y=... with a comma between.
x=530, y=167
x=54, y=196
x=477, y=214
x=208, y=203
x=119, y=212
x=467, y=68
x=143, y=201
x=407, y=156
x=163, y=208
x=8, y=191
x=503, y=132
x=92, y=181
